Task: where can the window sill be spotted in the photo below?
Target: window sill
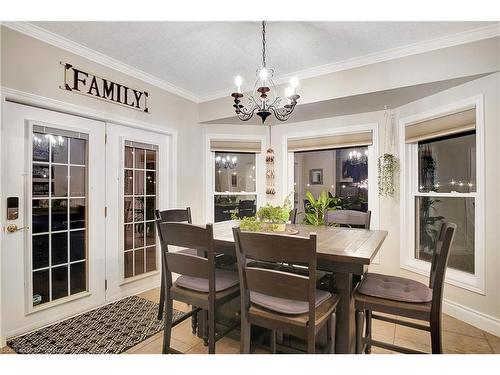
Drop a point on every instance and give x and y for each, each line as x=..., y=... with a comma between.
x=453, y=277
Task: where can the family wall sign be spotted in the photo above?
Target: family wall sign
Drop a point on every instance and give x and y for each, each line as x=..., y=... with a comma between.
x=82, y=82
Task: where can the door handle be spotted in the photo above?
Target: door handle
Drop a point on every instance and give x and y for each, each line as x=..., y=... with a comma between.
x=11, y=228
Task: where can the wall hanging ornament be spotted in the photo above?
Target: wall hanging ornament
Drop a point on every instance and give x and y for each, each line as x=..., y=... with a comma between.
x=270, y=189
x=388, y=163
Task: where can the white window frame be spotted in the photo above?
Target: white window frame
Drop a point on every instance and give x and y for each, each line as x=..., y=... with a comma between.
x=210, y=171
x=409, y=190
x=288, y=158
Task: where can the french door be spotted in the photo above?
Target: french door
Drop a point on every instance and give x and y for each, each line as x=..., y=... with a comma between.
x=53, y=258
x=137, y=162
x=84, y=233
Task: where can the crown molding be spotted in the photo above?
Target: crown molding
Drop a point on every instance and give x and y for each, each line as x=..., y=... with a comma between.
x=100, y=58
x=465, y=37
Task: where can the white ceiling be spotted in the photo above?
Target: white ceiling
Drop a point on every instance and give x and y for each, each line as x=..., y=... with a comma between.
x=202, y=58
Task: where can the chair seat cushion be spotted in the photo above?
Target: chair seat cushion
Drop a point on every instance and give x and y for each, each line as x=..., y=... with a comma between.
x=394, y=288
x=287, y=306
x=223, y=280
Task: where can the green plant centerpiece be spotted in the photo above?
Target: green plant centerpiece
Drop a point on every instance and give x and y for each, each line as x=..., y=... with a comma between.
x=317, y=208
x=269, y=218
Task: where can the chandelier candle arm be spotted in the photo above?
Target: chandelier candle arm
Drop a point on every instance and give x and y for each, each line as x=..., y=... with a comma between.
x=264, y=101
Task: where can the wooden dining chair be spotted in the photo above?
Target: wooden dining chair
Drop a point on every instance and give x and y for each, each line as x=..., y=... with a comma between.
x=177, y=215
x=406, y=298
x=279, y=300
x=349, y=218
x=293, y=216
x=200, y=284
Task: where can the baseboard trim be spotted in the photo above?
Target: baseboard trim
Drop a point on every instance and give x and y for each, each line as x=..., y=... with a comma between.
x=473, y=317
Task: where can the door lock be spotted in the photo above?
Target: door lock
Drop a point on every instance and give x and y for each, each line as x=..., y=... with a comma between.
x=11, y=228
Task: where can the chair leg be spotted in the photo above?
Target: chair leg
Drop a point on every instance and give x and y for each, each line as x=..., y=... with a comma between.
x=194, y=321
x=211, y=331
x=273, y=341
x=359, y=331
x=436, y=337
x=245, y=335
x=162, y=295
x=330, y=334
x=204, y=315
x=167, y=325
x=311, y=342
x=368, y=331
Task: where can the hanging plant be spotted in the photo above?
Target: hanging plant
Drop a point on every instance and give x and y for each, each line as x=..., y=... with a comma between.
x=387, y=168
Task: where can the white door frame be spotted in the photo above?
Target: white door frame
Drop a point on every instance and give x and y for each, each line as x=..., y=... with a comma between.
x=11, y=95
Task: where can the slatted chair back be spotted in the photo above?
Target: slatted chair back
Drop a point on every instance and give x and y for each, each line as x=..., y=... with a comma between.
x=350, y=218
x=188, y=236
x=177, y=215
x=440, y=261
x=293, y=216
x=280, y=249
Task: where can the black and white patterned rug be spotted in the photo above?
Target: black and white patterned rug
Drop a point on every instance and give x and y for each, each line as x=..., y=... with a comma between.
x=111, y=329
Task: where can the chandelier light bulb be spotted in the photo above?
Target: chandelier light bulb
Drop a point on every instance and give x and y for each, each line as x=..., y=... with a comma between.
x=263, y=74
x=238, y=81
x=288, y=92
x=294, y=82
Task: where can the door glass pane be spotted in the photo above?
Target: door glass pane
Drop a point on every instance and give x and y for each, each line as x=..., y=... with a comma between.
x=40, y=245
x=431, y=212
x=150, y=259
x=60, y=149
x=77, y=215
x=139, y=205
x=78, y=181
x=59, y=248
x=448, y=164
x=40, y=180
x=40, y=215
x=57, y=238
x=78, y=151
x=78, y=278
x=40, y=147
x=59, y=282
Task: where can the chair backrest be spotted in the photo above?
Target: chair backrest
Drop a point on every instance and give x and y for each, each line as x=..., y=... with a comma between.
x=188, y=236
x=293, y=216
x=177, y=215
x=350, y=218
x=439, y=263
x=280, y=249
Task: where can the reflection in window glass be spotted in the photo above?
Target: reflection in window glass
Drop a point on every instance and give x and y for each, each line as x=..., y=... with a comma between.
x=448, y=164
x=431, y=212
x=234, y=172
x=343, y=173
x=59, y=218
x=240, y=205
x=139, y=206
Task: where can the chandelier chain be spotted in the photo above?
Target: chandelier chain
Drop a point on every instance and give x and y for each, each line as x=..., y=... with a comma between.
x=264, y=44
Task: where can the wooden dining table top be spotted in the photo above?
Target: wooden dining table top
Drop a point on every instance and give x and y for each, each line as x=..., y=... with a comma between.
x=336, y=244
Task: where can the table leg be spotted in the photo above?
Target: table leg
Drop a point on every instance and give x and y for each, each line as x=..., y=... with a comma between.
x=346, y=325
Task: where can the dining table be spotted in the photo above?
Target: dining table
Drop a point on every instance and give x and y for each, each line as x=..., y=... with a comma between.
x=344, y=253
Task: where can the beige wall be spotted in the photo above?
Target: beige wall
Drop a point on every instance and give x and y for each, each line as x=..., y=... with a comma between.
x=32, y=66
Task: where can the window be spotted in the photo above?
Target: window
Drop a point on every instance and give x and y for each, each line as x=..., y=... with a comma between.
x=139, y=203
x=234, y=185
x=341, y=172
x=447, y=171
x=441, y=166
x=59, y=214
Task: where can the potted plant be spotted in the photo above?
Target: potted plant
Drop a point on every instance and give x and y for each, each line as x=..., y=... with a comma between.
x=316, y=208
x=268, y=218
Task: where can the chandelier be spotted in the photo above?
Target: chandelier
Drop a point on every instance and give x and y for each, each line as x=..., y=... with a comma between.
x=264, y=100
x=226, y=162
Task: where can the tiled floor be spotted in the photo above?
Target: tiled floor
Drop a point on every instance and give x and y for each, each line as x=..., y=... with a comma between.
x=458, y=337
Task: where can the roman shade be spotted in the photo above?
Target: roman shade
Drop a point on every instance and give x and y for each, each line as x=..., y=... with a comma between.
x=235, y=146
x=454, y=123
x=331, y=142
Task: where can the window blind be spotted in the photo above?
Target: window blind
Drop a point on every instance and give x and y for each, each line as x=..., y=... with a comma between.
x=235, y=146
x=442, y=126
x=330, y=142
